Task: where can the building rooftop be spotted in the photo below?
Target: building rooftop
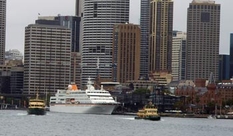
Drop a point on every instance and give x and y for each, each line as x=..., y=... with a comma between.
x=204, y=1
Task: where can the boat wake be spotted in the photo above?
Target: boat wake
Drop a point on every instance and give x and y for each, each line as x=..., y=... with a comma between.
x=21, y=114
x=128, y=118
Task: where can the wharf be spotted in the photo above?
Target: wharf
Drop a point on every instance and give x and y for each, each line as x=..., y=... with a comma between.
x=184, y=115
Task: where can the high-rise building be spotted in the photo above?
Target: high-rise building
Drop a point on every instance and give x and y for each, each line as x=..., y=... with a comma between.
x=203, y=26
x=79, y=8
x=126, y=52
x=2, y=30
x=144, y=24
x=160, y=35
x=47, y=58
x=71, y=22
x=231, y=55
x=76, y=68
x=224, y=67
x=178, y=56
x=99, y=17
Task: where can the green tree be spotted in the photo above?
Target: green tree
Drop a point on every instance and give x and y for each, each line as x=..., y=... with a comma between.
x=229, y=102
x=197, y=99
x=141, y=91
x=210, y=107
x=166, y=92
x=179, y=105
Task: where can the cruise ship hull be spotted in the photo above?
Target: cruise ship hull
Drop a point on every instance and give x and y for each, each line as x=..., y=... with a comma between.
x=83, y=108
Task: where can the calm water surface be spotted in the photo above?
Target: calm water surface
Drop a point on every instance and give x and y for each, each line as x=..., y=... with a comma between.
x=18, y=123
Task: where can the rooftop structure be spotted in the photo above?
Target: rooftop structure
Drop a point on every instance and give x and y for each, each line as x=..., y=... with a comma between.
x=204, y=1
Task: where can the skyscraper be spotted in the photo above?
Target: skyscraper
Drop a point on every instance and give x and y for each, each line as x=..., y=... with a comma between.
x=47, y=58
x=144, y=24
x=178, y=55
x=160, y=35
x=203, y=26
x=2, y=30
x=231, y=55
x=99, y=17
x=224, y=67
x=126, y=52
x=79, y=8
x=71, y=22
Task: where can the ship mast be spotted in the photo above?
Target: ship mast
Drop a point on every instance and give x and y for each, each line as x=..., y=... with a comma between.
x=37, y=94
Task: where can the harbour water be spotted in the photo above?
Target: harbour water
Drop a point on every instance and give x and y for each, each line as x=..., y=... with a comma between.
x=18, y=123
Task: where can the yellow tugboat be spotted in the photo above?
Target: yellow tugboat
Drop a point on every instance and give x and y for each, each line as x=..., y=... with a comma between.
x=149, y=112
x=36, y=106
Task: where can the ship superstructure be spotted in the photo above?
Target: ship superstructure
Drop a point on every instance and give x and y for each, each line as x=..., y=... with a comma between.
x=88, y=101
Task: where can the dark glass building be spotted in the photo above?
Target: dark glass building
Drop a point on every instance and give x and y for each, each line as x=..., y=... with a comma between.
x=144, y=24
x=224, y=67
x=231, y=55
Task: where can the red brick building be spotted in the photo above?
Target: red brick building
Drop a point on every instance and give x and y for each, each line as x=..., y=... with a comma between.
x=226, y=90
x=201, y=95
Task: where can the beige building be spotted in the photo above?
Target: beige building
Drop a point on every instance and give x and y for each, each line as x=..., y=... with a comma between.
x=2, y=30
x=47, y=58
x=203, y=31
x=126, y=52
x=162, y=78
x=160, y=35
x=178, y=56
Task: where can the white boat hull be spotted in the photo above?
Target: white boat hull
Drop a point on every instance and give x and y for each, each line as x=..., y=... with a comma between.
x=83, y=108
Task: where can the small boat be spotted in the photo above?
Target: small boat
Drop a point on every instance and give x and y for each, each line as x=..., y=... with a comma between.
x=149, y=112
x=36, y=106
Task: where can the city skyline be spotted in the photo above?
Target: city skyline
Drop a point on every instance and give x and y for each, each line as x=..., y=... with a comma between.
x=18, y=19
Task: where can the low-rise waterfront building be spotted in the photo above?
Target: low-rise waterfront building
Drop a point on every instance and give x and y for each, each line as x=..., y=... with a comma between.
x=201, y=96
x=149, y=84
x=162, y=77
x=5, y=79
x=16, y=80
x=226, y=89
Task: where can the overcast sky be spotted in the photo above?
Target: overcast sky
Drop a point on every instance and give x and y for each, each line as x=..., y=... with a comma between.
x=20, y=13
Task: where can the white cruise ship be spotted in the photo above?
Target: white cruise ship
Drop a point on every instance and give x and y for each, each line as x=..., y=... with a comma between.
x=89, y=101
